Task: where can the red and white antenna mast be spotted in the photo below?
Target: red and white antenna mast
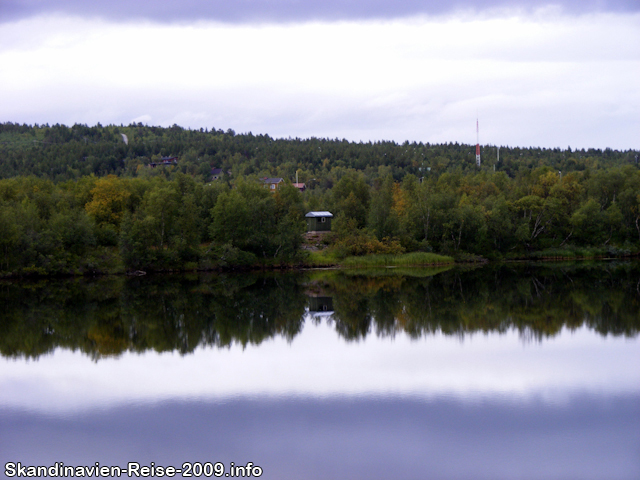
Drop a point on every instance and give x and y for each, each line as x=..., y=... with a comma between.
x=477, y=144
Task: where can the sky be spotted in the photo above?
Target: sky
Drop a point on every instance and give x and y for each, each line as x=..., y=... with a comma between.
x=533, y=73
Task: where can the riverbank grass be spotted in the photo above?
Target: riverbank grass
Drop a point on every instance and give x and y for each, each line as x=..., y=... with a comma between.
x=402, y=260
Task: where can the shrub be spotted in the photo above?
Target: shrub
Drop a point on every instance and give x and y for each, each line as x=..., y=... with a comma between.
x=363, y=243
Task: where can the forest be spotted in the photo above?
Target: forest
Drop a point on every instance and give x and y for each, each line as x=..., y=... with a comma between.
x=85, y=200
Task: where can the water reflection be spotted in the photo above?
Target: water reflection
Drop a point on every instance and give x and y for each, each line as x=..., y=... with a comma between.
x=526, y=372
x=368, y=438
x=319, y=364
x=179, y=313
x=320, y=306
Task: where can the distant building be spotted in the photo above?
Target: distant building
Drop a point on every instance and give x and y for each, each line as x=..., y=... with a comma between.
x=216, y=173
x=164, y=162
x=319, y=221
x=273, y=184
x=300, y=186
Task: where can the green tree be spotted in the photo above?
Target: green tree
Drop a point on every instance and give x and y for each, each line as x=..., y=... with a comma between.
x=589, y=223
x=383, y=220
x=10, y=235
x=350, y=198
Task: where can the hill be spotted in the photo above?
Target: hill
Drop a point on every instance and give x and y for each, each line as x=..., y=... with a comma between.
x=86, y=200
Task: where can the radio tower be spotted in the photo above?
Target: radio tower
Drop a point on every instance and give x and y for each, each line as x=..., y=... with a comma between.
x=477, y=144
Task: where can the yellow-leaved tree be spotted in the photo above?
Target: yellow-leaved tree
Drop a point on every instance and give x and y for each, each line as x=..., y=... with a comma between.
x=109, y=200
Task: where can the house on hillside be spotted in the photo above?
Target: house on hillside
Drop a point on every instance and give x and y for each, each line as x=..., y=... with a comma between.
x=217, y=173
x=165, y=162
x=319, y=221
x=300, y=186
x=273, y=184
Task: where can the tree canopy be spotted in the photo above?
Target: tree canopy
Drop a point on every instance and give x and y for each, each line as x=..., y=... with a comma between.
x=80, y=200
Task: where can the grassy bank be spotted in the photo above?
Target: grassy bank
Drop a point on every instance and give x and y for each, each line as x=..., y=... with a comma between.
x=415, y=259
x=109, y=261
x=576, y=253
x=402, y=260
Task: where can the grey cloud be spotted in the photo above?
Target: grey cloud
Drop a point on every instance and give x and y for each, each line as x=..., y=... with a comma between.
x=247, y=11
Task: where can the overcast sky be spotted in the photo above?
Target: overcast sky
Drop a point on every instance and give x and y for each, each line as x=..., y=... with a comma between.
x=555, y=75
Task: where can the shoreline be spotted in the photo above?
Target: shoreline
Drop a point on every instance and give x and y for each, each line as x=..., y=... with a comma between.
x=300, y=267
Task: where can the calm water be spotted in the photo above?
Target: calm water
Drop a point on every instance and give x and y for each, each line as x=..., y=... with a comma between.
x=512, y=372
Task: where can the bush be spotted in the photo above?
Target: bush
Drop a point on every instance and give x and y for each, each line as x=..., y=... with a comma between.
x=363, y=243
x=230, y=256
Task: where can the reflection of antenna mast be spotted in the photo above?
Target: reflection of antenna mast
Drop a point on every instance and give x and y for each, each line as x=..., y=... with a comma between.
x=477, y=144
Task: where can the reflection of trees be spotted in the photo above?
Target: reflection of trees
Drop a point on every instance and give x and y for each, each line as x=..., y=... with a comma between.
x=360, y=299
x=179, y=313
x=165, y=313
x=536, y=300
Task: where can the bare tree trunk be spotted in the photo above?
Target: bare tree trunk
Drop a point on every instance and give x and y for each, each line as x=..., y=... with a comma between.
x=568, y=236
x=536, y=227
x=426, y=224
x=161, y=230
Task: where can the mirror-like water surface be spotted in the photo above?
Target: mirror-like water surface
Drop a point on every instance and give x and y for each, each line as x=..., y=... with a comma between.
x=495, y=372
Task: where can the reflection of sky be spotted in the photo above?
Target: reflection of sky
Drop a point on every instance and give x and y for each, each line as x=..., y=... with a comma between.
x=319, y=364
x=348, y=438
x=485, y=407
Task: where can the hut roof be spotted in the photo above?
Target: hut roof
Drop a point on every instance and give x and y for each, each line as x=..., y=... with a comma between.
x=319, y=214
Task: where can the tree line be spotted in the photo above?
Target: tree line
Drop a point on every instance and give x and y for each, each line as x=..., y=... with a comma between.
x=62, y=153
x=105, y=224
x=59, y=215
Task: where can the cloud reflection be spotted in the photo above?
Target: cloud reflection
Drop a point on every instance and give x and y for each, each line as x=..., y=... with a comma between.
x=317, y=363
x=590, y=437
